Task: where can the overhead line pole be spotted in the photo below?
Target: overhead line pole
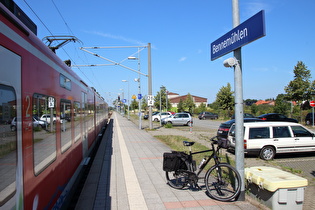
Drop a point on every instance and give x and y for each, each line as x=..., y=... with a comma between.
x=149, y=75
x=150, y=83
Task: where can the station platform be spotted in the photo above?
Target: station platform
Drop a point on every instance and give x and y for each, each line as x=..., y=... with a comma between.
x=127, y=174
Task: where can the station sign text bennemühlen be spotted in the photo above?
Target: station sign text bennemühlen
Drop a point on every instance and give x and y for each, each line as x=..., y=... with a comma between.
x=246, y=32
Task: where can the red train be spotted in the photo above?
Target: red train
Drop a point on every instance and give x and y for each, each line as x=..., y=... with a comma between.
x=49, y=118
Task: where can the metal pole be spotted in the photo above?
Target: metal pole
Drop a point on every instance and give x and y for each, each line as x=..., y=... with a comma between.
x=239, y=121
x=313, y=116
x=160, y=106
x=150, y=84
x=140, y=123
x=128, y=102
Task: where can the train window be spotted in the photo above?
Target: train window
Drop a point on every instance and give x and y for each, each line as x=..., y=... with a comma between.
x=44, y=141
x=64, y=82
x=90, y=116
x=77, y=121
x=8, y=143
x=66, y=117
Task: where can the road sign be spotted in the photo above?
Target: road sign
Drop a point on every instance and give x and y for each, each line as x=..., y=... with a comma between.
x=139, y=96
x=150, y=100
x=250, y=30
x=124, y=101
x=312, y=103
x=51, y=102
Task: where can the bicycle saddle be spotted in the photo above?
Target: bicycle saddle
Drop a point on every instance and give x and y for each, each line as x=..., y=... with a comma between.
x=188, y=143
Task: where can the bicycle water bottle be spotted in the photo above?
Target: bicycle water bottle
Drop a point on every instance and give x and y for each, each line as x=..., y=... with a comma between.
x=202, y=162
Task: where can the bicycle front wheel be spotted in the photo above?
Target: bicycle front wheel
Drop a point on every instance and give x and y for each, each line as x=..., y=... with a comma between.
x=223, y=182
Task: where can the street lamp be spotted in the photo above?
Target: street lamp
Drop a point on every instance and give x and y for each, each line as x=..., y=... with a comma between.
x=139, y=85
x=127, y=98
x=139, y=103
x=122, y=98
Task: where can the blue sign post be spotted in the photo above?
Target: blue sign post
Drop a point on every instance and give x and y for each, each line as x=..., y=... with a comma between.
x=248, y=31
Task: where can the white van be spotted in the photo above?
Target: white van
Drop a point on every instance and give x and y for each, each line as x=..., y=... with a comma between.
x=268, y=138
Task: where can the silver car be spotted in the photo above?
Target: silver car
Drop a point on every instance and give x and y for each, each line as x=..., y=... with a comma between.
x=178, y=119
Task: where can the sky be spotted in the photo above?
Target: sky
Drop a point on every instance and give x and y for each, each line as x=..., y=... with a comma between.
x=180, y=33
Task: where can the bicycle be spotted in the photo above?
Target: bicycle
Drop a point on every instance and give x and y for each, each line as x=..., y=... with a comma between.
x=222, y=180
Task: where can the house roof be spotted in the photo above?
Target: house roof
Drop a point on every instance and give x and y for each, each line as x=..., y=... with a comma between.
x=170, y=93
x=265, y=102
x=196, y=99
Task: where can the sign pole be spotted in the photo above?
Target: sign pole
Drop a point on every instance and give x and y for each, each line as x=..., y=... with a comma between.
x=239, y=121
x=312, y=104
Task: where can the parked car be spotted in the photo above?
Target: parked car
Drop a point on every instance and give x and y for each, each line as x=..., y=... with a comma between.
x=47, y=118
x=266, y=139
x=42, y=123
x=159, y=116
x=276, y=117
x=178, y=119
x=309, y=119
x=225, y=127
x=188, y=113
x=146, y=116
x=36, y=123
x=207, y=115
x=245, y=115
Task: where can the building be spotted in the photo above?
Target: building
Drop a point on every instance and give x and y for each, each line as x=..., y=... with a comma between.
x=260, y=102
x=175, y=98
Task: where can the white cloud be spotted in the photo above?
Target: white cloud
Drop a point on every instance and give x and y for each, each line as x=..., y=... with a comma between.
x=182, y=59
x=118, y=37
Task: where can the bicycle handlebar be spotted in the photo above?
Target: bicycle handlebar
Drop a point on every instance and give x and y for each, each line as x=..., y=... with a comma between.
x=214, y=139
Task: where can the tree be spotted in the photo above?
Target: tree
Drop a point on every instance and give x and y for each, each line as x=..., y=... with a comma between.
x=281, y=105
x=180, y=106
x=254, y=109
x=299, y=88
x=189, y=103
x=144, y=103
x=225, y=98
x=134, y=105
x=201, y=108
x=161, y=93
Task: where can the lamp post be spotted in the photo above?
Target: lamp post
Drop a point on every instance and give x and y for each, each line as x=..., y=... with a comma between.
x=139, y=102
x=139, y=86
x=127, y=98
x=122, y=98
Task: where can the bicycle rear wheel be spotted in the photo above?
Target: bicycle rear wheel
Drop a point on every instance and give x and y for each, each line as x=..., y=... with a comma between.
x=176, y=179
x=223, y=182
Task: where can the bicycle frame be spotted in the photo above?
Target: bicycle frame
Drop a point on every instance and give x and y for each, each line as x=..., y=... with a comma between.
x=213, y=155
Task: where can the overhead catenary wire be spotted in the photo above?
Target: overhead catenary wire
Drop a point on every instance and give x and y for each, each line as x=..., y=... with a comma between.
x=71, y=32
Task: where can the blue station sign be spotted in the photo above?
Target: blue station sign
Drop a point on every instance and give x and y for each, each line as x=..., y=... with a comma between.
x=248, y=31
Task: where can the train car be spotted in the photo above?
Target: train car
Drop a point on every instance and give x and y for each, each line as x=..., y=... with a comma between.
x=49, y=118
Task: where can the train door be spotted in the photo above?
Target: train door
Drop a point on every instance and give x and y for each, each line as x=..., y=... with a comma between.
x=11, y=168
x=84, y=123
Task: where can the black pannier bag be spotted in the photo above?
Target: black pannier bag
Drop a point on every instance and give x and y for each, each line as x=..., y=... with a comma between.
x=174, y=160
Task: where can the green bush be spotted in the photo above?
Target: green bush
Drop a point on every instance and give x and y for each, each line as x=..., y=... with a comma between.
x=168, y=125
